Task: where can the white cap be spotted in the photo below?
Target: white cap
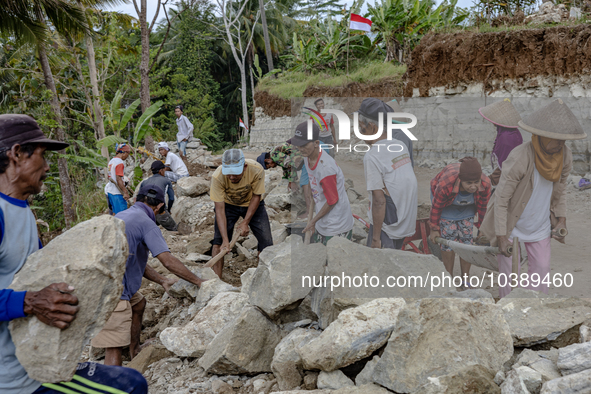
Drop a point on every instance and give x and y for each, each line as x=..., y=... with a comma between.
x=163, y=145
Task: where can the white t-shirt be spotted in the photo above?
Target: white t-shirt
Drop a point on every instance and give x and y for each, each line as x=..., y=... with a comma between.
x=110, y=187
x=176, y=164
x=326, y=131
x=386, y=167
x=534, y=223
x=328, y=183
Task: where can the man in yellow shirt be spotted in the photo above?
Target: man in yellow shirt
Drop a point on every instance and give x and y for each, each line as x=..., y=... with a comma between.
x=237, y=187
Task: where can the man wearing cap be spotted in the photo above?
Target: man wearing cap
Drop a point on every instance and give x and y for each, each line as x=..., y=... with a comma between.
x=333, y=217
x=175, y=168
x=164, y=219
x=185, y=132
x=115, y=188
x=237, y=188
x=505, y=118
x=371, y=108
x=530, y=200
x=392, y=187
x=327, y=132
x=458, y=193
x=22, y=170
x=143, y=235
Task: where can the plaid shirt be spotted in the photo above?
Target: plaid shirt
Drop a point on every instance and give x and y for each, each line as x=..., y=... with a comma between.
x=446, y=186
x=287, y=157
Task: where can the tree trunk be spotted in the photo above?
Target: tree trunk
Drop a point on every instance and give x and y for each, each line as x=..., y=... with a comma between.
x=66, y=187
x=266, y=36
x=244, y=103
x=145, y=68
x=252, y=91
x=98, y=110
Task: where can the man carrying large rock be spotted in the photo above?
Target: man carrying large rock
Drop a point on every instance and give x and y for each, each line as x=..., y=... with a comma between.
x=164, y=219
x=143, y=235
x=530, y=199
x=333, y=217
x=391, y=184
x=175, y=167
x=22, y=170
x=237, y=187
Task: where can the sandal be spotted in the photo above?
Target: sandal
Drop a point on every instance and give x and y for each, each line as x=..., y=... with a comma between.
x=584, y=183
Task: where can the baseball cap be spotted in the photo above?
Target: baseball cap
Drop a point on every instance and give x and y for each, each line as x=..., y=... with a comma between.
x=233, y=162
x=372, y=107
x=300, y=137
x=152, y=191
x=163, y=145
x=157, y=166
x=123, y=148
x=22, y=129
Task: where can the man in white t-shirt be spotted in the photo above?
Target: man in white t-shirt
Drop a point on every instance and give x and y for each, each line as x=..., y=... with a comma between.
x=333, y=217
x=327, y=132
x=175, y=167
x=391, y=184
x=530, y=199
x=115, y=189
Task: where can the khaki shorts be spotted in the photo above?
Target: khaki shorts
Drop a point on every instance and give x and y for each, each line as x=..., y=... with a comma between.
x=117, y=330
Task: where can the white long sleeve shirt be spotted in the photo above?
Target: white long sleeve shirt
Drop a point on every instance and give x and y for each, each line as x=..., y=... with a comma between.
x=185, y=129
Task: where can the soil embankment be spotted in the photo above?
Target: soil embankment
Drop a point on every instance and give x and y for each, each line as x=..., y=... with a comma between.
x=449, y=59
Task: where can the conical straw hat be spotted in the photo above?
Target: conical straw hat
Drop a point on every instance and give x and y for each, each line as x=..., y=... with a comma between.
x=555, y=121
x=501, y=113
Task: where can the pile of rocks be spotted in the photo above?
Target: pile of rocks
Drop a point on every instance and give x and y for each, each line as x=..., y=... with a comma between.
x=550, y=13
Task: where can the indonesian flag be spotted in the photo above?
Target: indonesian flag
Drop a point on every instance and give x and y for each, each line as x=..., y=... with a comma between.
x=242, y=124
x=359, y=23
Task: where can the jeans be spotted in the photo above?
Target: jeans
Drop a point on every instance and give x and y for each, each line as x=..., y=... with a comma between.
x=183, y=147
x=118, y=203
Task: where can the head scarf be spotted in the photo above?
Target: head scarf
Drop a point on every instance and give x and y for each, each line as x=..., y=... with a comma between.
x=507, y=139
x=549, y=165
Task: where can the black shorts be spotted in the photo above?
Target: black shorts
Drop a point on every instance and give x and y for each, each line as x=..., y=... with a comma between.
x=259, y=225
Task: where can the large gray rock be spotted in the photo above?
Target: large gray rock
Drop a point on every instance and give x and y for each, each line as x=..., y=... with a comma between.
x=90, y=257
x=366, y=374
x=355, y=335
x=192, y=186
x=535, y=361
x=279, y=198
x=184, y=289
x=192, y=339
x=436, y=337
x=245, y=346
x=365, y=389
x=514, y=384
x=574, y=358
x=531, y=378
x=333, y=380
x=350, y=260
x=577, y=383
x=536, y=318
x=287, y=362
x=193, y=211
x=279, y=280
x=200, y=245
x=474, y=379
x=210, y=288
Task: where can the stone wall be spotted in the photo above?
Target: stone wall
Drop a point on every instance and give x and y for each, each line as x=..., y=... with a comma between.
x=449, y=126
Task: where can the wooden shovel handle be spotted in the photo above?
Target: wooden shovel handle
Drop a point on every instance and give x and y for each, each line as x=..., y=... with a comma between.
x=223, y=252
x=308, y=234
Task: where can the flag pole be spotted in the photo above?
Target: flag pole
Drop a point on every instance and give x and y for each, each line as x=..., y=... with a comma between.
x=348, y=39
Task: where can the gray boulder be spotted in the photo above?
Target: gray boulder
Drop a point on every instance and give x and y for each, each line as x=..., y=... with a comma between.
x=545, y=366
x=210, y=288
x=279, y=198
x=200, y=245
x=531, y=378
x=184, y=289
x=577, y=383
x=365, y=376
x=192, y=186
x=193, y=211
x=192, y=339
x=95, y=270
x=355, y=335
x=333, y=380
x=245, y=346
x=279, y=280
x=574, y=358
x=536, y=318
x=474, y=379
x=287, y=362
x=436, y=337
x=514, y=384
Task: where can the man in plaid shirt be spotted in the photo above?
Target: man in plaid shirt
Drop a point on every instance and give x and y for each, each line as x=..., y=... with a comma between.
x=458, y=193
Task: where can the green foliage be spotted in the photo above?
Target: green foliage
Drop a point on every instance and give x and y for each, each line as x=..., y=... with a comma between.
x=142, y=128
x=110, y=140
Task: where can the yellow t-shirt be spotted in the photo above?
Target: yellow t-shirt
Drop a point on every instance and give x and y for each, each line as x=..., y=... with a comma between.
x=239, y=194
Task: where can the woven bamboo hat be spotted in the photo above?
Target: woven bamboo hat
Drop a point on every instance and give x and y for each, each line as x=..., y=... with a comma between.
x=501, y=113
x=555, y=121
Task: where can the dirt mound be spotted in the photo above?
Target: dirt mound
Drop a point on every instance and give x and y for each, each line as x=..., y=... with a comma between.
x=449, y=59
x=272, y=105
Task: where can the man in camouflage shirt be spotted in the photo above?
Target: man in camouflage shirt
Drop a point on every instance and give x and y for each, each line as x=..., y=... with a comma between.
x=286, y=157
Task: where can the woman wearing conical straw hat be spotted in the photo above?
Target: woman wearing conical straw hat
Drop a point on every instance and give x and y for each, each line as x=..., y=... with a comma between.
x=530, y=200
x=505, y=118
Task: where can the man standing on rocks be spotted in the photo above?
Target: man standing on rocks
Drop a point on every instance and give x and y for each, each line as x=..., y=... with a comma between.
x=175, y=168
x=391, y=184
x=458, y=193
x=237, y=188
x=115, y=189
x=327, y=134
x=158, y=178
x=143, y=235
x=333, y=217
x=22, y=170
x=530, y=200
x=185, y=130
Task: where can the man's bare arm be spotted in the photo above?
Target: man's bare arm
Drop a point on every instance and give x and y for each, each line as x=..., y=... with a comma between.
x=153, y=275
x=176, y=267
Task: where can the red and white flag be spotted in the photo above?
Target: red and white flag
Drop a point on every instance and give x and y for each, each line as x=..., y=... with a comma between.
x=242, y=124
x=359, y=23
